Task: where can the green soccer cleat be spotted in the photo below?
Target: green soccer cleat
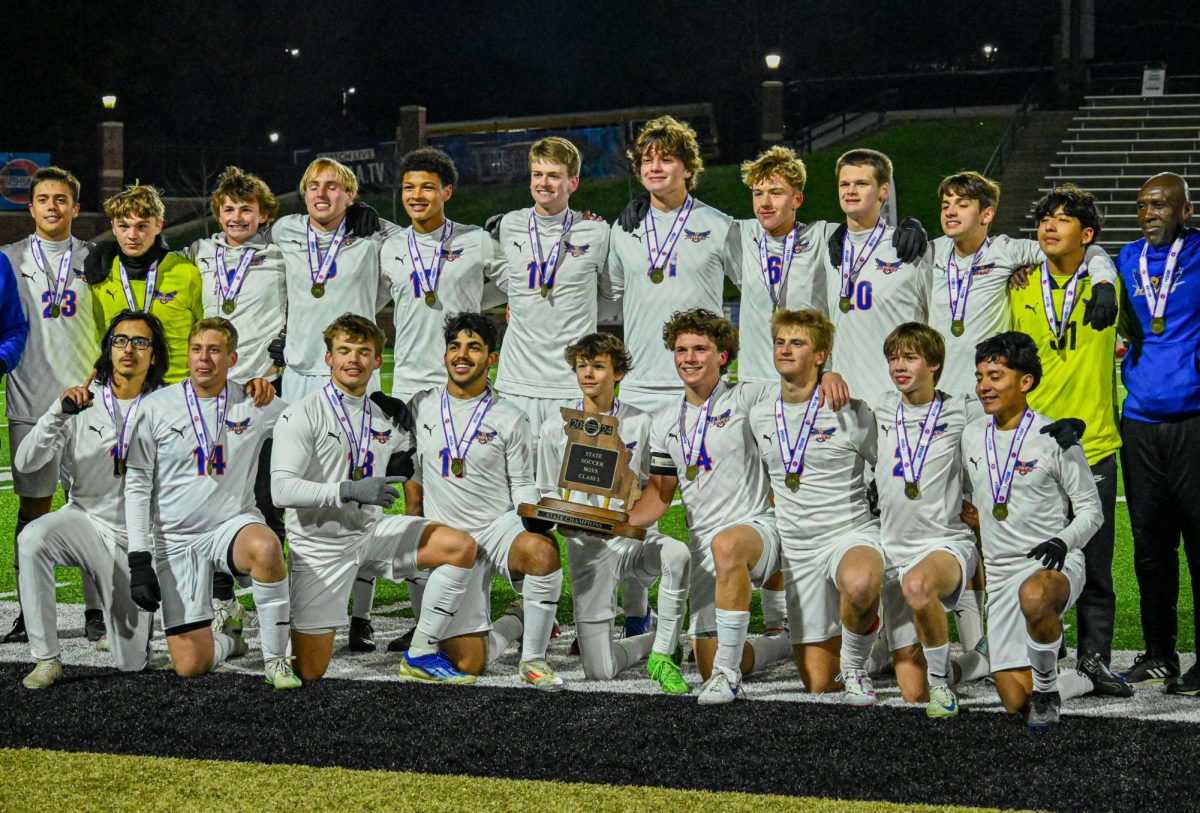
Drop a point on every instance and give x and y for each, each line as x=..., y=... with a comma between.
x=943, y=702
x=45, y=674
x=665, y=671
x=279, y=674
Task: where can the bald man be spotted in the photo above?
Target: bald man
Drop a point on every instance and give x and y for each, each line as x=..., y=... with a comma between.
x=1160, y=458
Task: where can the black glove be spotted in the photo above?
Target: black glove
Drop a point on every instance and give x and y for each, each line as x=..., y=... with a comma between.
x=634, y=213
x=1052, y=554
x=835, y=244
x=1101, y=311
x=1066, y=433
x=537, y=526
x=97, y=265
x=492, y=226
x=910, y=240
x=370, y=491
x=69, y=407
x=143, y=581
x=401, y=465
x=362, y=219
x=394, y=408
x=276, y=347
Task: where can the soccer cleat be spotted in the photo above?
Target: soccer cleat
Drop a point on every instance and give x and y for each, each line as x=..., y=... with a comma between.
x=943, y=702
x=859, y=689
x=1104, y=680
x=17, y=634
x=538, y=674
x=639, y=625
x=784, y=630
x=665, y=671
x=278, y=672
x=93, y=625
x=1150, y=669
x=45, y=674
x=227, y=610
x=233, y=628
x=402, y=643
x=1043, y=711
x=362, y=635
x=723, y=686
x=1187, y=684
x=102, y=644
x=432, y=668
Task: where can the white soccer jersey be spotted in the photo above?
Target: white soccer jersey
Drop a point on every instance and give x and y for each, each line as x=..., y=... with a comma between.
x=885, y=294
x=731, y=486
x=260, y=307
x=633, y=427
x=540, y=328
x=470, y=257
x=1048, y=486
x=355, y=284
x=497, y=470
x=60, y=351
x=910, y=527
x=804, y=287
x=87, y=442
x=831, y=499
x=167, y=466
x=693, y=277
x=311, y=458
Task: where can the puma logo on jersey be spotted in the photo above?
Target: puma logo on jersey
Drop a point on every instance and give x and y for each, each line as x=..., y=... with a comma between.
x=27, y=276
x=574, y=250
x=427, y=428
x=974, y=462
x=177, y=429
x=672, y=435
x=97, y=430
x=484, y=437
x=111, y=295
x=1025, y=466
x=518, y=246
x=768, y=438
x=338, y=438
x=381, y=437
x=884, y=428
x=238, y=428
x=822, y=435
x=720, y=420
x=1032, y=308
x=886, y=267
x=697, y=236
x=166, y=297
x=452, y=254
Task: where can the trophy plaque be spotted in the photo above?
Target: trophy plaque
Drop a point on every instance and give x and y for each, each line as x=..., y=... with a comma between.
x=595, y=461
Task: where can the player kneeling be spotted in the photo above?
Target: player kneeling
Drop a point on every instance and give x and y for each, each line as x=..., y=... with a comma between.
x=335, y=459
x=189, y=498
x=1038, y=507
x=599, y=564
x=89, y=531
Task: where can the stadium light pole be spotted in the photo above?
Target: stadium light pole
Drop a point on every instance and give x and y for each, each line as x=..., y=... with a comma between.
x=989, y=51
x=273, y=137
x=346, y=94
x=772, y=102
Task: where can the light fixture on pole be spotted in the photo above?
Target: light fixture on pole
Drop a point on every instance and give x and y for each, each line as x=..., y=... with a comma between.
x=273, y=138
x=109, y=101
x=989, y=51
x=773, y=60
x=346, y=94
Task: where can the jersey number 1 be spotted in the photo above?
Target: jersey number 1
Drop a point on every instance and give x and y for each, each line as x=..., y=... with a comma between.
x=218, y=460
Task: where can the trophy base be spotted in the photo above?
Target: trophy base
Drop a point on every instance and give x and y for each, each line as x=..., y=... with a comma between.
x=585, y=518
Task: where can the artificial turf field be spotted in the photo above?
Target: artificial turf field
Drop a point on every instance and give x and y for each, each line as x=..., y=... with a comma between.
x=360, y=739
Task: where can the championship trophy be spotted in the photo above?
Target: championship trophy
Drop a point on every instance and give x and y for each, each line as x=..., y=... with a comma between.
x=596, y=462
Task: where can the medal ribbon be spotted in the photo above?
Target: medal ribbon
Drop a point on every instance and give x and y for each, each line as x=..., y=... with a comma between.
x=691, y=448
x=197, y=413
x=1156, y=301
x=228, y=289
x=428, y=278
x=548, y=268
x=851, y=267
x=359, y=451
x=1072, y=291
x=457, y=446
x=151, y=280
x=659, y=257
x=789, y=253
x=1002, y=481
x=912, y=464
x=792, y=454
x=959, y=284
x=318, y=266
x=59, y=291
x=121, y=424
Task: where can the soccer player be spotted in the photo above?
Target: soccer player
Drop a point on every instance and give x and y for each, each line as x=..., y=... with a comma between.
x=818, y=460
x=707, y=439
x=189, y=510
x=54, y=303
x=1078, y=381
x=1037, y=508
x=332, y=467
x=89, y=531
x=140, y=273
x=474, y=467
x=1160, y=427
x=599, y=564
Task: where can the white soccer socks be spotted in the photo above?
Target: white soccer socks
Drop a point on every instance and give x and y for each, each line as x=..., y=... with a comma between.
x=671, y=605
x=362, y=596
x=937, y=665
x=768, y=650
x=732, y=627
x=1043, y=658
x=774, y=608
x=540, y=594
x=274, y=616
x=856, y=648
x=635, y=598
x=443, y=594
x=968, y=617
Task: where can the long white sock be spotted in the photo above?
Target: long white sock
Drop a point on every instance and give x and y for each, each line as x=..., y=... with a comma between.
x=732, y=626
x=443, y=594
x=856, y=648
x=629, y=651
x=1043, y=658
x=505, y=629
x=968, y=616
x=635, y=598
x=671, y=606
x=774, y=608
x=362, y=595
x=222, y=645
x=540, y=595
x=1073, y=684
x=937, y=660
x=416, y=593
x=769, y=650
x=274, y=616
x=971, y=666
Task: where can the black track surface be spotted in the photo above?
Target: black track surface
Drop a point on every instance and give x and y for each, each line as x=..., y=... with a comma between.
x=797, y=749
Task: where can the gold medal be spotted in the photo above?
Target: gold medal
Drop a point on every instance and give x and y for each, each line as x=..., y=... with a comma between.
x=456, y=467
x=692, y=472
x=228, y=306
x=656, y=275
x=912, y=490
x=208, y=466
x=1158, y=324
x=318, y=289
x=356, y=473
x=545, y=291
x=56, y=311
x=1000, y=511
x=431, y=298
x=844, y=304
x=957, y=327
x=792, y=480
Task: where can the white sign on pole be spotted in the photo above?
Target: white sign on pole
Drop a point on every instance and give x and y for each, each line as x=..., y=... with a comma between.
x=1154, y=80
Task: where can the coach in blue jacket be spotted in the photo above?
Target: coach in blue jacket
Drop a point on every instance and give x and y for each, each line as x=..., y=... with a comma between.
x=1160, y=457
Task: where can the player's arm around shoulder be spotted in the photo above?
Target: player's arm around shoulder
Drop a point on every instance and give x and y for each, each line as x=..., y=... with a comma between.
x=857, y=423
x=1075, y=477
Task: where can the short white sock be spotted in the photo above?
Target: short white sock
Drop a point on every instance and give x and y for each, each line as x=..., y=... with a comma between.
x=937, y=665
x=856, y=648
x=1043, y=659
x=443, y=594
x=274, y=616
x=968, y=617
x=671, y=606
x=1073, y=684
x=768, y=650
x=540, y=597
x=222, y=645
x=732, y=626
x=635, y=598
x=774, y=607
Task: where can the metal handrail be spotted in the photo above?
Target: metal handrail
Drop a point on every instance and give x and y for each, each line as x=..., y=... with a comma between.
x=839, y=122
x=1017, y=120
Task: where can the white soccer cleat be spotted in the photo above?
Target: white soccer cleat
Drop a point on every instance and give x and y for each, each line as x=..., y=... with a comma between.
x=45, y=674
x=231, y=610
x=278, y=672
x=538, y=674
x=859, y=689
x=723, y=686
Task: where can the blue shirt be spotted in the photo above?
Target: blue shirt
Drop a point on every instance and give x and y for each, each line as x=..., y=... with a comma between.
x=1162, y=371
x=14, y=327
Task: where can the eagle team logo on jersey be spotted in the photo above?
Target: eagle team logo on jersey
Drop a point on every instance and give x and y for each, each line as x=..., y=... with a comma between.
x=886, y=267
x=631, y=446
x=381, y=437
x=822, y=435
x=484, y=437
x=574, y=250
x=450, y=255
x=982, y=270
x=803, y=246
x=1025, y=466
x=166, y=297
x=697, y=236
x=720, y=420
x=237, y=427
x=939, y=429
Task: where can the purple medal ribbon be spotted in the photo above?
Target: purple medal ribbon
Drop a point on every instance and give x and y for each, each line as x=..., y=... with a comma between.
x=59, y=290
x=201, y=431
x=1156, y=301
x=659, y=257
x=1002, y=481
x=548, y=268
x=318, y=266
x=428, y=278
x=851, y=266
x=789, y=253
x=912, y=464
x=121, y=424
x=151, y=281
x=460, y=447
x=1072, y=292
x=227, y=290
x=792, y=454
x=959, y=284
x=359, y=451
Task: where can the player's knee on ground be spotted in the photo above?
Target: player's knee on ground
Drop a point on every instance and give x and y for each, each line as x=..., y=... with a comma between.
x=191, y=667
x=313, y=651
x=910, y=674
x=595, y=649
x=468, y=653
x=918, y=590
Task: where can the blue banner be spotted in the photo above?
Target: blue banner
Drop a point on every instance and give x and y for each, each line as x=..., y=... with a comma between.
x=16, y=174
